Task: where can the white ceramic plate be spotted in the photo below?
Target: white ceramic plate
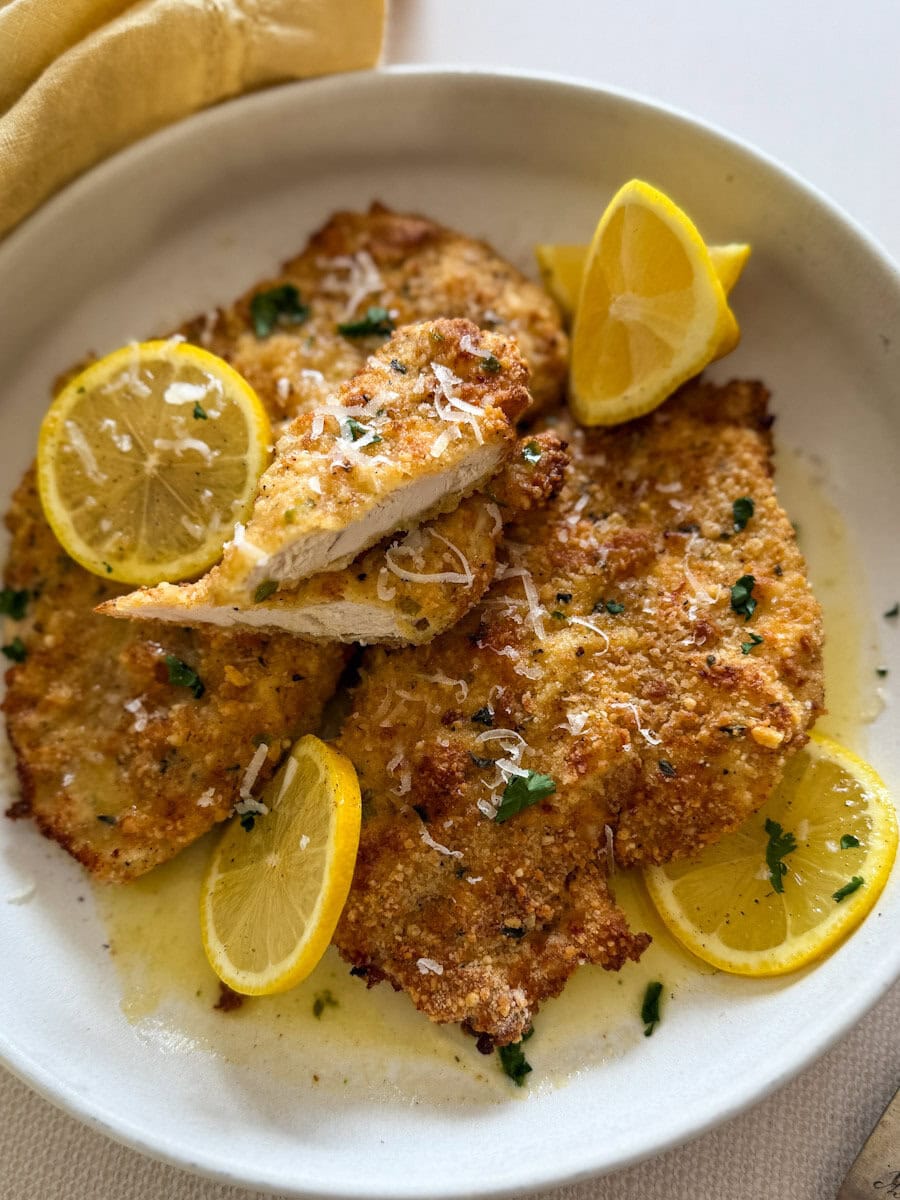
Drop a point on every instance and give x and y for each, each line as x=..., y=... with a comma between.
x=191, y=217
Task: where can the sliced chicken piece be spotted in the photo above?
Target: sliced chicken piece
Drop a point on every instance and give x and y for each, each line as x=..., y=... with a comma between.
x=427, y=421
x=407, y=589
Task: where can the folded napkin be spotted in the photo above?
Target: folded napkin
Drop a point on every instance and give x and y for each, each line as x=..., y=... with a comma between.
x=83, y=78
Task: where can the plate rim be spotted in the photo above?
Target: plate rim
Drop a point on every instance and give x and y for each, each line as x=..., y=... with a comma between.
x=124, y=1131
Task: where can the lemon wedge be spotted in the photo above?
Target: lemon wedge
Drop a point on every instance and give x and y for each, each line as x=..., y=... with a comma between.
x=278, y=880
x=562, y=267
x=147, y=459
x=651, y=311
x=827, y=836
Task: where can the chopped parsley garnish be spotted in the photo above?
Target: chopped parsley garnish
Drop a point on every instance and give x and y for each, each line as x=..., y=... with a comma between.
x=849, y=842
x=650, y=1008
x=755, y=640
x=881, y=672
x=108, y=568
x=560, y=616
x=563, y=597
x=106, y=819
x=199, y=412
x=666, y=767
x=742, y=597
x=376, y=323
x=742, y=511
x=514, y=1062
x=278, y=306
x=484, y=716
x=322, y=1001
x=15, y=651
x=184, y=676
x=398, y=366
x=893, y=612
x=265, y=590
x=532, y=452
x=14, y=603
x=483, y=763
x=248, y=820
x=613, y=607
x=352, y=430
x=780, y=844
x=848, y=889
x=491, y=364
x=522, y=791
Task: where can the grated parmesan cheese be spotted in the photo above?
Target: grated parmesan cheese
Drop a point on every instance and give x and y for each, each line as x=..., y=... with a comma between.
x=253, y=770
x=429, y=841
x=428, y=966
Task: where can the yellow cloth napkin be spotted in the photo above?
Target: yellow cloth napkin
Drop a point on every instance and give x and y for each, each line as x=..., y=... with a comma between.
x=80, y=79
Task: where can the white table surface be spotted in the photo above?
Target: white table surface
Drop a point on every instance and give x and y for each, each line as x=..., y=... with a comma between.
x=816, y=85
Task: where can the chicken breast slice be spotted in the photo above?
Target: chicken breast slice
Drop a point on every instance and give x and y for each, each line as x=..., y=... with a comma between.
x=428, y=420
x=407, y=589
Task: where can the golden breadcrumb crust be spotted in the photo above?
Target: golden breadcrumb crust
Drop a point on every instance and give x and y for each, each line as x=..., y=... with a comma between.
x=120, y=766
x=628, y=678
x=412, y=267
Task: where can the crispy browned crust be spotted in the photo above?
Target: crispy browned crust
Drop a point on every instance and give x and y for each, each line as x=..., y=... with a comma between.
x=644, y=521
x=118, y=796
x=424, y=272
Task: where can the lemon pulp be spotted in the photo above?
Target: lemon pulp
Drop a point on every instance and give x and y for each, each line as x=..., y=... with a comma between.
x=148, y=458
x=724, y=905
x=278, y=880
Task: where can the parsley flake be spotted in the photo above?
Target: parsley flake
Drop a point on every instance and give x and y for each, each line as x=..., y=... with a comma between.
x=484, y=716
x=514, y=1063
x=742, y=600
x=560, y=616
x=881, y=672
x=650, y=1015
x=376, y=323
x=15, y=651
x=491, y=364
x=278, y=306
x=184, y=676
x=265, y=590
x=848, y=889
x=613, y=607
x=849, y=842
x=532, y=452
x=755, y=640
x=666, y=768
x=14, y=603
x=780, y=844
x=199, y=412
x=742, y=511
x=106, y=819
x=248, y=820
x=352, y=430
x=322, y=1001
x=522, y=791
x=893, y=612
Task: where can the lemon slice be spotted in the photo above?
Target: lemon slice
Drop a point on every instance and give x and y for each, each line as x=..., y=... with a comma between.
x=723, y=905
x=274, y=892
x=147, y=459
x=562, y=267
x=651, y=311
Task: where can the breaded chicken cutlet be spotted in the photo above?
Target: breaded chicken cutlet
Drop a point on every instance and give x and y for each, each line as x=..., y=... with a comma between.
x=375, y=271
x=427, y=421
x=404, y=591
x=80, y=753
x=631, y=687
x=133, y=739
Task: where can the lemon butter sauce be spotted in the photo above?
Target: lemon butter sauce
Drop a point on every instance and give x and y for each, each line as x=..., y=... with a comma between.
x=373, y=1040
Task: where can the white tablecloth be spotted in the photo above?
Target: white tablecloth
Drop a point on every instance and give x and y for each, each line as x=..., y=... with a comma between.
x=817, y=85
